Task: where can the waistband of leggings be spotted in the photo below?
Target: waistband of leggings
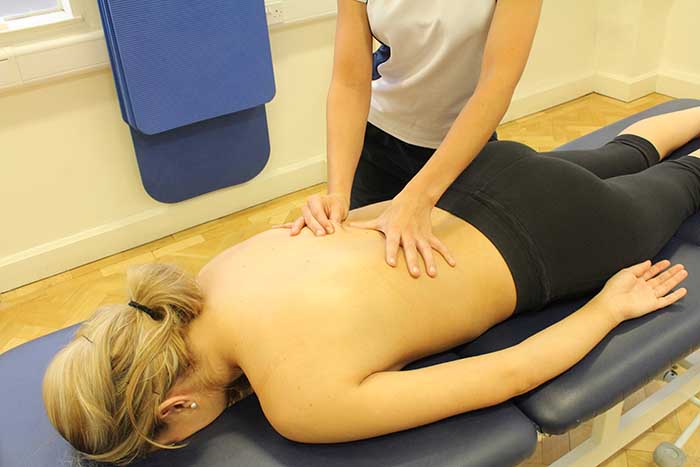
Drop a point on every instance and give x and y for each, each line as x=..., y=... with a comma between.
x=510, y=239
x=643, y=145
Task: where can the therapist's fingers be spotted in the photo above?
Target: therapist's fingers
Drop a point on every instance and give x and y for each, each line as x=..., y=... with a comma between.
x=311, y=221
x=318, y=210
x=298, y=225
x=411, y=253
x=393, y=241
x=426, y=251
x=443, y=250
x=336, y=213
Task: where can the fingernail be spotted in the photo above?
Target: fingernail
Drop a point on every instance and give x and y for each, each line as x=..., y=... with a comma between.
x=432, y=270
x=392, y=261
x=320, y=232
x=415, y=270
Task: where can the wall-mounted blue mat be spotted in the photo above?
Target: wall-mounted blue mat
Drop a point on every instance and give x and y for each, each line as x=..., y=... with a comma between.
x=192, y=79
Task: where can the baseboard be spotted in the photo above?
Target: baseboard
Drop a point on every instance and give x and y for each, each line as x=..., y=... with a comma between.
x=549, y=97
x=679, y=84
x=625, y=89
x=83, y=247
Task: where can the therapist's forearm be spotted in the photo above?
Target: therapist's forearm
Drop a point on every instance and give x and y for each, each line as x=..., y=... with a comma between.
x=468, y=135
x=348, y=107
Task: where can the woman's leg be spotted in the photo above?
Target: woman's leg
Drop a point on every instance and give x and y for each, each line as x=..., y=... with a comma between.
x=614, y=223
x=668, y=132
x=562, y=229
x=629, y=153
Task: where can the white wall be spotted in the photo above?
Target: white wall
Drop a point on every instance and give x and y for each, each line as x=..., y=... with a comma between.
x=69, y=186
x=680, y=58
x=561, y=64
x=69, y=183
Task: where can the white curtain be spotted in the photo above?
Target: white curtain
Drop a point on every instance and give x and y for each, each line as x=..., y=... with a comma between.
x=16, y=7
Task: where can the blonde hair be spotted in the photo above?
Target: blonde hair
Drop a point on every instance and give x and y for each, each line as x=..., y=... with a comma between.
x=103, y=390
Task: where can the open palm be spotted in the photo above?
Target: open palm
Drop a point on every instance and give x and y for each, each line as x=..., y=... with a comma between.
x=643, y=288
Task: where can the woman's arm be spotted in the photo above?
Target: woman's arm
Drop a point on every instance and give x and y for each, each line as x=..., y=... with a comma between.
x=406, y=221
x=391, y=401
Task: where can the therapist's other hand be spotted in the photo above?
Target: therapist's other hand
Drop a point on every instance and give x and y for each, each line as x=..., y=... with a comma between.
x=643, y=288
x=406, y=223
x=319, y=213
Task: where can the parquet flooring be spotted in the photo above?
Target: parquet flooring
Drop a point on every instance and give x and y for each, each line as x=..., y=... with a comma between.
x=68, y=298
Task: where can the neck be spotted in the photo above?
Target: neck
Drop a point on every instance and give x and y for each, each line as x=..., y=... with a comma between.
x=217, y=360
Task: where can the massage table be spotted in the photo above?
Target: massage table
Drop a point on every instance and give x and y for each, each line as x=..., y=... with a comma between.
x=504, y=435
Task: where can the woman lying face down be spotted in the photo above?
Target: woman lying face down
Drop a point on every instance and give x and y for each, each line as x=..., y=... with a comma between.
x=319, y=327
x=131, y=372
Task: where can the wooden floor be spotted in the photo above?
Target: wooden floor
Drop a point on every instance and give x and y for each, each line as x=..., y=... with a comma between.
x=68, y=298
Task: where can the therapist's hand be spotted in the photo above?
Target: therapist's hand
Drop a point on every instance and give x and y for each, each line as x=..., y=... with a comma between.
x=406, y=223
x=319, y=213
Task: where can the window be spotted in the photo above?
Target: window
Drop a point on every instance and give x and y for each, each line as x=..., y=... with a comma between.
x=22, y=14
x=10, y=8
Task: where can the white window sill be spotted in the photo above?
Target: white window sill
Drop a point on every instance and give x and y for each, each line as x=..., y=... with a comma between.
x=62, y=18
x=43, y=60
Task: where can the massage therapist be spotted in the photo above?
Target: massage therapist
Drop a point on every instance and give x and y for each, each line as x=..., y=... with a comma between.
x=404, y=122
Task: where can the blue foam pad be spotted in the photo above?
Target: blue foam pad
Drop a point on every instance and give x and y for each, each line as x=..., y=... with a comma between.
x=194, y=103
x=117, y=72
x=241, y=436
x=203, y=157
x=187, y=62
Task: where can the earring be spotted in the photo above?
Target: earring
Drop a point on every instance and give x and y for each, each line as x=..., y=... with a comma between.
x=193, y=406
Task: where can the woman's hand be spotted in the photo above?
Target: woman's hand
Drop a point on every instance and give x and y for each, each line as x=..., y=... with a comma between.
x=319, y=213
x=643, y=288
x=406, y=222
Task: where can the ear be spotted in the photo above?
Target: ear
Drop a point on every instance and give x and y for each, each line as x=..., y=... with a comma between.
x=173, y=405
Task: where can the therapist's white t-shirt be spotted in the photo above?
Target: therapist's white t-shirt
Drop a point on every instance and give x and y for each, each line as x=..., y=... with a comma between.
x=436, y=51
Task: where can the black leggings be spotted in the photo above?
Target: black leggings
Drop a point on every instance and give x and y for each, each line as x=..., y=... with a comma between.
x=564, y=221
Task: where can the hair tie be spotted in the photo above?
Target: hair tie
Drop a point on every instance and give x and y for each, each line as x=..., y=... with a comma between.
x=143, y=308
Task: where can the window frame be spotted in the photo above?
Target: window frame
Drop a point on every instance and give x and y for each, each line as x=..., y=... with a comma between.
x=62, y=13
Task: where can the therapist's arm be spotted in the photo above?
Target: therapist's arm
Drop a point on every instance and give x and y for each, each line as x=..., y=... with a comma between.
x=407, y=221
x=507, y=49
x=347, y=110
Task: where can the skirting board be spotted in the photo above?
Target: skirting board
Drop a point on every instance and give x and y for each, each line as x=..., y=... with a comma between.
x=669, y=82
x=625, y=89
x=546, y=98
x=678, y=84
x=84, y=247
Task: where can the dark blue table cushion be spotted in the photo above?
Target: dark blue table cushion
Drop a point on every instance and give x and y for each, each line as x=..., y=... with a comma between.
x=630, y=355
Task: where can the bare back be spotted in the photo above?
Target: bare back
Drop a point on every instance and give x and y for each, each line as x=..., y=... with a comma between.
x=327, y=311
